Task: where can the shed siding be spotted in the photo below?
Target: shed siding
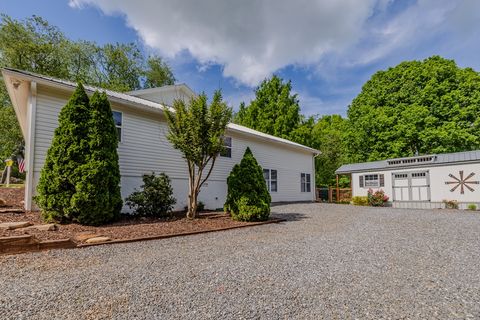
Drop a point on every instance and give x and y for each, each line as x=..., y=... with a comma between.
x=145, y=148
x=439, y=191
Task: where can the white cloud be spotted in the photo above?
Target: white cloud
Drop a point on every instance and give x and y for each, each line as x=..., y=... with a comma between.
x=250, y=38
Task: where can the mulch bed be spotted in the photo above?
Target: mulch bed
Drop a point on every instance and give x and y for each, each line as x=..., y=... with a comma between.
x=130, y=228
x=13, y=196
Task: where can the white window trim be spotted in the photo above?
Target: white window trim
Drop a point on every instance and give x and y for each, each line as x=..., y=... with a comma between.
x=120, y=126
x=377, y=185
x=269, y=180
x=307, y=184
x=228, y=147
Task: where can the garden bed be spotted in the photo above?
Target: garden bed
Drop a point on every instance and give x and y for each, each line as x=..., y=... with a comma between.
x=125, y=229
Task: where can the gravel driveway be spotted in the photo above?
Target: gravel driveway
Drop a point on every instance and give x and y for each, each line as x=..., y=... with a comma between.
x=327, y=261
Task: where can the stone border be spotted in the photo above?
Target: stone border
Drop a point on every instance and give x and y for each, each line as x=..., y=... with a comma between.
x=28, y=243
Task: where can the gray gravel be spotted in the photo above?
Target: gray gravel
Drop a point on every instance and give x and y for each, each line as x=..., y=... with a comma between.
x=327, y=261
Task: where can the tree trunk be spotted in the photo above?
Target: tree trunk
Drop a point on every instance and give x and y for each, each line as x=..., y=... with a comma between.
x=192, y=205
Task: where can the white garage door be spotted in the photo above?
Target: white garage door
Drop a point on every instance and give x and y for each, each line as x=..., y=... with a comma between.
x=411, y=186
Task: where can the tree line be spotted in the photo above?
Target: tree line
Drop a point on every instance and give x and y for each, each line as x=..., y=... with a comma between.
x=35, y=45
x=416, y=107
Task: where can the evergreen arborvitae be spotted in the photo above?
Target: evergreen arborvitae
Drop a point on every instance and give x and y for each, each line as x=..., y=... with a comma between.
x=98, y=191
x=80, y=179
x=248, y=198
x=66, y=155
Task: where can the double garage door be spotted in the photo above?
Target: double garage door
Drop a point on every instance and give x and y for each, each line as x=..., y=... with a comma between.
x=411, y=186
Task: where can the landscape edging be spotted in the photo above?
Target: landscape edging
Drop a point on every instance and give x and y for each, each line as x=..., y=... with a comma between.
x=31, y=244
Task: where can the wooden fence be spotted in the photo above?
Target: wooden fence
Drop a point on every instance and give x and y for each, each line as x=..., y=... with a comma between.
x=332, y=194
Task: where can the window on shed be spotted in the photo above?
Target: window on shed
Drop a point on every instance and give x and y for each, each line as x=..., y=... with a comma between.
x=227, y=144
x=118, y=119
x=372, y=181
x=305, y=185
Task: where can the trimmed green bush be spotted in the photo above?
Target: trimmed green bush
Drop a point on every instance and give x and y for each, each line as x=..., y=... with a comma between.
x=80, y=179
x=472, y=206
x=66, y=156
x=247, y=196
x=156, y=197
x=360, y=201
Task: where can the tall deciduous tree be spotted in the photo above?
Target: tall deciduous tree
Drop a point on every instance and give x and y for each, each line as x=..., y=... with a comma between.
x=197, y=131
x=158, y=73
x=274, y=110
x=329, y=132
x=428, y=106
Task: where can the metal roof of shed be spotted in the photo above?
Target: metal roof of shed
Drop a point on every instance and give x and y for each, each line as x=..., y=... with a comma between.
x=409, y=162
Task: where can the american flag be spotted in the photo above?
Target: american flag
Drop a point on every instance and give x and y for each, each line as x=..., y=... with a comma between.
x=21, y=163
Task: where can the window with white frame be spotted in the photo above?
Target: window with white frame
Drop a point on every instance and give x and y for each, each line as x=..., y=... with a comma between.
x=305, y=185
x=227, y=150
x=371, y=180
x=271, y=179
x=118, y=118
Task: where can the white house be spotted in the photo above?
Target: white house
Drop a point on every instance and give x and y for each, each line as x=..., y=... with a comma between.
x=288, y=167
x=421, y=181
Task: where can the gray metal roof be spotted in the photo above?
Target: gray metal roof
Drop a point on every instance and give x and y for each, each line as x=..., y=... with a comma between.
x=409, y=162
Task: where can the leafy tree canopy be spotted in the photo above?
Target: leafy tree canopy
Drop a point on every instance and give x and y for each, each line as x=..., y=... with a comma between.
x=428, y=106
x=274, y=110
x=35, y=45
x=197, y=129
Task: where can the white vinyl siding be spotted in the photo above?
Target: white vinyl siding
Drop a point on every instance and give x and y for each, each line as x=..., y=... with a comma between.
x=145, y=148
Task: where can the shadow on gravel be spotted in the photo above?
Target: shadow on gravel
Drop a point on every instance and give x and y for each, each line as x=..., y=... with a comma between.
x=290, y=216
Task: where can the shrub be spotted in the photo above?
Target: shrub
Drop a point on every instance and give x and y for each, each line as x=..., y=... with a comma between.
x=246, y=212
x=98, y=192
x=472, y=206
x=156, y=197
x=360, y=201
x=247, y=189
x=450, y=204
x=377, y=198
x=67, y=154
x=80, y=178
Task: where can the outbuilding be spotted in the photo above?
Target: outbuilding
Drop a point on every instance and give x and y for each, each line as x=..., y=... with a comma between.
x=426, y=181
x=288, y=167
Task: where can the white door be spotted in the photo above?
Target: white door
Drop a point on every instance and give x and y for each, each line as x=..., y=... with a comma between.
x=411, y=186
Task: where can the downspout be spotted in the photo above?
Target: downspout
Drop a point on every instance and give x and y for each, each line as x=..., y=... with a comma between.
x=29, y=145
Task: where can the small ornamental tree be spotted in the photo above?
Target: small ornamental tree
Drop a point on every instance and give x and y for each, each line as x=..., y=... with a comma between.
x=248, y=198
x=65, y=160
x=97, y=194
x=197, y=131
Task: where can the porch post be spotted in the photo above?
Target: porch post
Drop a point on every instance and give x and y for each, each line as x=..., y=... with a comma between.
x=338, y=190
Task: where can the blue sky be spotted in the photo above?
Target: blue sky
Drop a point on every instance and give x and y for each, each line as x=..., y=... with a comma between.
x=328, y=49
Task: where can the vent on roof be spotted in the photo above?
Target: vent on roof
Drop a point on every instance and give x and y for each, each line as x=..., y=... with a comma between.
x=410, y=161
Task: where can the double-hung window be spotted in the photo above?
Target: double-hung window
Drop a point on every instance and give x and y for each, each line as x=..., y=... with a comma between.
x=372, y=180
x=305, y=185
x=118, y=118
x=271, y=179
x=227, y=150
